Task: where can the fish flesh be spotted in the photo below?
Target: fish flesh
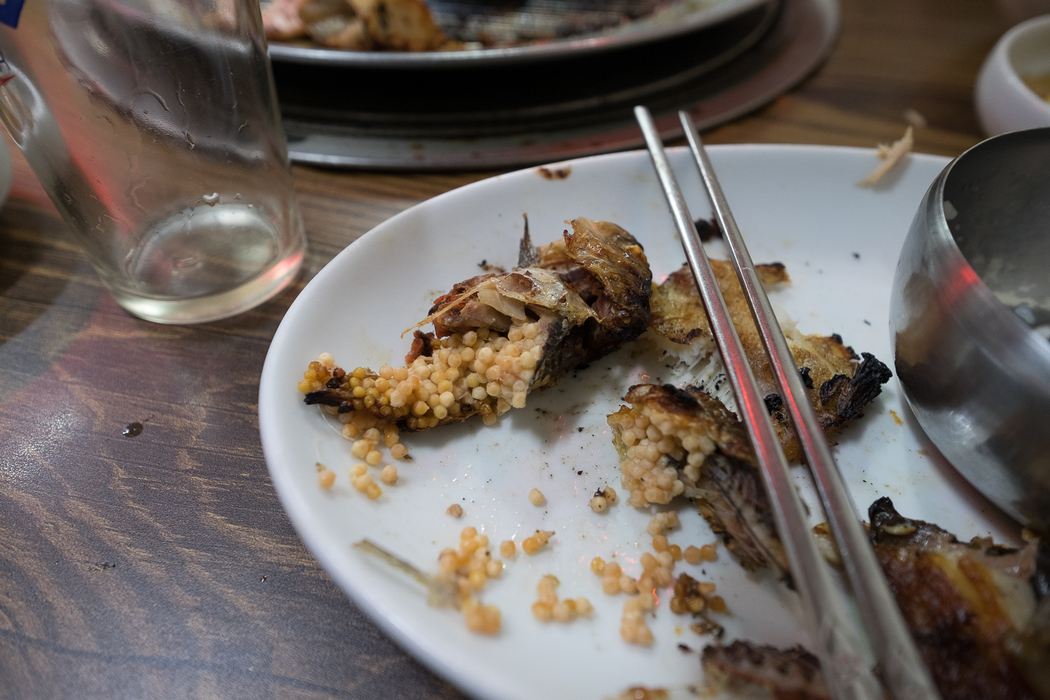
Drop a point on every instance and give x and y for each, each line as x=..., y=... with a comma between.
x=501, y=335
x=838, y=381
x=978, y=611
x=681, y=441
x=686, y=441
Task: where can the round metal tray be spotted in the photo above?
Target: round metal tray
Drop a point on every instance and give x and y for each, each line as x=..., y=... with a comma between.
x=513, y=116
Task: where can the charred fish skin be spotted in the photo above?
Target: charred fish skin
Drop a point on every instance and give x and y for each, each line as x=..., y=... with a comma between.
x=498, y=336
x=839, y=382
x=971, y=607
x=792, y=673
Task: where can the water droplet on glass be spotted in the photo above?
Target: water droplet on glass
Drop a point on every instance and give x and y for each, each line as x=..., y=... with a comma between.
x=182, y=265
x=211, y=199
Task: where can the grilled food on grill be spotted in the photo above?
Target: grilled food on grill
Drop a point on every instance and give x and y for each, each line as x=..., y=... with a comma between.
x=357, y=25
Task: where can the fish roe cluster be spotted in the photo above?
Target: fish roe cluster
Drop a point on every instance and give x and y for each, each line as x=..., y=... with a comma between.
x=654, y=451
x=657, y=573
x=695, y=555
x=363, y=482
x=471, y=566
x=633, y=628
x=547, y=606
x=477, y=372
x=694, y=597
x=602, y=499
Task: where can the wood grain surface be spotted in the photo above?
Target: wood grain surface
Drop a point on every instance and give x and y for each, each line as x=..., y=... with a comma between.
x=162, y=565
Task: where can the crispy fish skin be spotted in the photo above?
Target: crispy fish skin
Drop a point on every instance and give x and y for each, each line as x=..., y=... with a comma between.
x=970, y=606
x=788, y=674
x=684, y=442
x=609, y=287
x=839, y=383
x=678, y=313
x=499, y=336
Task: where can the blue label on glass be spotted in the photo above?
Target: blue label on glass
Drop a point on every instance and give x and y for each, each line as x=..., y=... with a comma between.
x=10, y=10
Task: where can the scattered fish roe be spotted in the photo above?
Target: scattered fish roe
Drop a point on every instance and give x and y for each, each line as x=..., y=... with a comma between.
x=653, y=452
x=536, y=542
x=633, y=629
x=366, y=485
x=471, y=566
x=602, y=499
x=536, y=497
x=483, y=619
x=325, y=476
x=389, y=475
x=508, y=549
x=455, y=510
x=478, y=372
x=547, y=606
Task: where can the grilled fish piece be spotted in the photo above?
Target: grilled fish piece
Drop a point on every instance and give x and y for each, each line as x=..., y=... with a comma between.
x=840, y=384
x=788, y=674
x=499, y=336
x=357, y=25
x=684, y=442
x=972, y=607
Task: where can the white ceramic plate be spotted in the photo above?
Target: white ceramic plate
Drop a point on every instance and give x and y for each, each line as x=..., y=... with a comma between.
x=797, y=205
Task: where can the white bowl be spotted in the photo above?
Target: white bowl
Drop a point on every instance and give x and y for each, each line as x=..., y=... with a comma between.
x=1004, y=103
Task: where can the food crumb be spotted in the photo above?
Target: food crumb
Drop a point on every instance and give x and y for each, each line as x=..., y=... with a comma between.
x=548, y=607
x=915, y=118
x=455, y=510
x=643, y=693
x=536, y=542
x=325, y=476
x=536, y=497
x=890, y=155
x=602, y=499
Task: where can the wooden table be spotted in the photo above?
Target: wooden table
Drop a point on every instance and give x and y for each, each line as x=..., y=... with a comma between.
x=162, y=565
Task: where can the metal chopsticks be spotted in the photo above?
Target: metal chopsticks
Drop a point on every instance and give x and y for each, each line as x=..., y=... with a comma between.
x=903, y=669
x=840, y=650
